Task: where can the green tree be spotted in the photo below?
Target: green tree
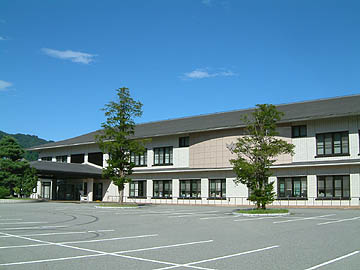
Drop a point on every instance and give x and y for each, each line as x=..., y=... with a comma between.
x=257, y=151
x=15, y=171
x=116, y=138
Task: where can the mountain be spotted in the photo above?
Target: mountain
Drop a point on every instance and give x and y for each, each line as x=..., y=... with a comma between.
x=26, y=141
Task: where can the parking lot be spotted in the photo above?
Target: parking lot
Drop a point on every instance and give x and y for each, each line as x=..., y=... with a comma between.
x=80, y=236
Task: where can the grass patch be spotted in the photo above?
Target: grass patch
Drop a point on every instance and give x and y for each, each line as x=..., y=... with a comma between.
x=117, y=205
x=263, y=211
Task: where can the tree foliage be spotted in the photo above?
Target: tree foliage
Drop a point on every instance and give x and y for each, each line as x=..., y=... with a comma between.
x=257, y=151
x=15, y=172
x=116, y=138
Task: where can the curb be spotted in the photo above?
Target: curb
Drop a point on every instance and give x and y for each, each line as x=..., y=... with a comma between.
x=10, y=201
x=115, y=207
x=260, y=215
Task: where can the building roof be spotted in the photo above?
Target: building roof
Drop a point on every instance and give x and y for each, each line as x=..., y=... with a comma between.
x=293, y=112
x=58, y=169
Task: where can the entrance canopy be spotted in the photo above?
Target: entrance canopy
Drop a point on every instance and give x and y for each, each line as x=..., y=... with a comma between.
x=58, y=170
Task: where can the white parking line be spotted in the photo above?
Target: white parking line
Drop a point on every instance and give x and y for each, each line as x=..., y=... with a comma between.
x=333, y=260
x=10, y=219
x=32, y=228
x=59, y=233
x=90, y=250
x=22, y=222
x=300, y=219
x=81, y=241
x=337, y=221
x=220, y=258
x=196, y=214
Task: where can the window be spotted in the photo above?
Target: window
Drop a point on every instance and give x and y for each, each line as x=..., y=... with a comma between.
x=163, y=189
x=139, y=159
x=190, y=189
x=217, y=189
x=138, y=189
x=292, y=187
x=330, y=144
x=85, y=189
x=96, y=158
x=78, y=158
x=184, y=141
x=336, y=186
x=46, y=158
x=163, y=156
x=61, y=159
x=298, y=131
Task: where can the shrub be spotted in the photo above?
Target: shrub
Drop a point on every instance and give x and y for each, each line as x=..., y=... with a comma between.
x=4, y=192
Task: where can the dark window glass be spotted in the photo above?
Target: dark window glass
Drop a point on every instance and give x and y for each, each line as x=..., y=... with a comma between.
x=190, y=188
x=61, y=159
x=162, y=189
x=299, y=131
x=163, y=156
x=292, y=187
x=184, y=142
x=217, y=188
x=138, y=189
x=336, y=143
x=139, y=159
x=337, y=186
x=78, y=158
x=46, y=158
x=96, y=158
x=85, y=188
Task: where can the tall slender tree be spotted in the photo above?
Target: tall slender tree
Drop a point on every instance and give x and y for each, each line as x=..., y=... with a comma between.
x=257, y=151
x=116, y=138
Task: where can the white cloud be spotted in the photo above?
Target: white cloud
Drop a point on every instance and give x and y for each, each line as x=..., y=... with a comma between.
x=77, y=57
x=2, y=38
x=4, y=85
x=204, y=73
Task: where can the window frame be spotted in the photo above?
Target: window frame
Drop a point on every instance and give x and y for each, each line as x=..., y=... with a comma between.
x=324, y=146
x=61, y=159
x=293, y=195
x=333, y=189
x=184, y=141
x=162, y=151
x=300, y=128
x=162, y=183
x=222, y=189
x=138, y=182
x=137, y=157
x=191, y=191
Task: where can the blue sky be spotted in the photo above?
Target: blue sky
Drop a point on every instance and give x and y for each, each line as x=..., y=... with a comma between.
x=61, y=61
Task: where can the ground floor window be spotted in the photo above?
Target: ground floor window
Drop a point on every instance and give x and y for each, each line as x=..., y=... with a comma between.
x=333, y=186
x=138, y=189
x=217, y=189
x=292, y=187
x=190, y=188
x=162, y=189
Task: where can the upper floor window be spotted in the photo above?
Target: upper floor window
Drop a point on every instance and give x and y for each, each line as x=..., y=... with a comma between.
x=336, y=186
x=292, y=187
x=190, y=188
x=46, y=158
x=298, y=131
x=163, y=156
x=335, y=143
x=62, y=159
x=78, y=158
x=217, y=189
x=96, y=158
x=139, y=159
x=184, y=141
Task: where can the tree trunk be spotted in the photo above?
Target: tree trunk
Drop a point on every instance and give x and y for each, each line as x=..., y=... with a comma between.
x=121, y=196
x=263, y=206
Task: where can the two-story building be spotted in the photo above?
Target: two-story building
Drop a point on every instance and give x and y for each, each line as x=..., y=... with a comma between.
x=187, y=159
